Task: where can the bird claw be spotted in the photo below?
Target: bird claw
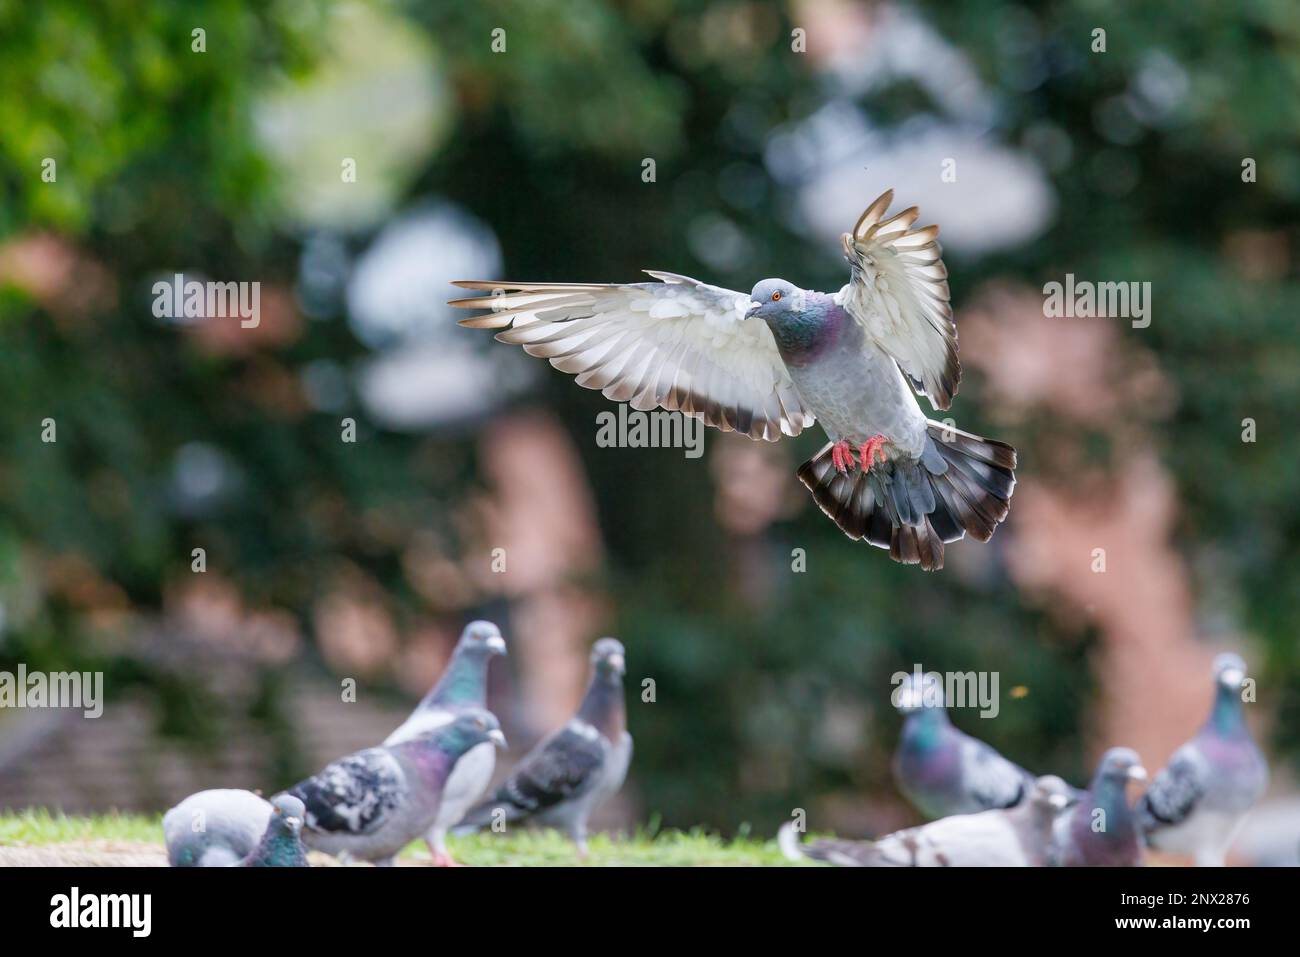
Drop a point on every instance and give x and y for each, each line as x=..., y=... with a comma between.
x=842, y=456
x=869, y=449
x=443, y=859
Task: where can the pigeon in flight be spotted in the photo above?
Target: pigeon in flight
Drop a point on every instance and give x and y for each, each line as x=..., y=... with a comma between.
x=371, y=804
x=463, y=686
x=944, y=771
x=1017, y=837
x=1195, y=805
x=575, y=769
x=771, y=362
x=1101, y=830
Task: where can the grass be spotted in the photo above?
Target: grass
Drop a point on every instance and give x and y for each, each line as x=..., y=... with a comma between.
x=524, y=848
x=39, y=827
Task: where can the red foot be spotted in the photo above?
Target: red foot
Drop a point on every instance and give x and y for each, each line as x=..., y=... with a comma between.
x=444, y=859
x=842, y=456
x=869, y=449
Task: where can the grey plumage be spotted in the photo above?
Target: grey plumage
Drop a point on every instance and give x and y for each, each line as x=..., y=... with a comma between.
x=281, y=844
x=462, y=687
x=944, y=771
x=773, y=362
x=215, y=828
x=1101, y=829
x=1198, y=801
x=233, y=828
x=958, y=484
x=1014, y=837
x=371, y=804
x=575, y=769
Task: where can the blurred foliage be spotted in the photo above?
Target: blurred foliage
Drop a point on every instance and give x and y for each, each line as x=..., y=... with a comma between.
x=159, y=170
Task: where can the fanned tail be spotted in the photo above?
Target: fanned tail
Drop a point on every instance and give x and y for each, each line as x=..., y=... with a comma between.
x=913, y=507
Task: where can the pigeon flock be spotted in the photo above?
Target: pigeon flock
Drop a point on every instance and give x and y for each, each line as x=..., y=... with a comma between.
x=765, y=364
x=772, y=361
x=433, y=773
x=992, y=812
x=429, y=776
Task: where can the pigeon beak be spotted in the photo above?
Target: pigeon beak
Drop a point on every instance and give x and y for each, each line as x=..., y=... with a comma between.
x=1232, y=678
x=617, y=663
x=497, y=645
x=753, y=308
x=497, y=738
x=293, y=822
x=1059, y=802
x=1137, y=773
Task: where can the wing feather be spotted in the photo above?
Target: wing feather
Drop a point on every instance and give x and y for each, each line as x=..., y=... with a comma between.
x=1175, y=792
x=899, y=294
x=676, y=344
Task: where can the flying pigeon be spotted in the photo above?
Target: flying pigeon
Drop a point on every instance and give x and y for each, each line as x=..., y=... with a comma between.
x=215, y=828
x=281, y=844
x=1017, y=837
x=943, y=771
x=371, y=804
x=462, y=686
x=1101, y=830
x=575, y=769
x=771, y=362
x=1196, y=804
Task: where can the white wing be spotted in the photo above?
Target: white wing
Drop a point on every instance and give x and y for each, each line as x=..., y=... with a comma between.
x=899, y=293
x=679, y=344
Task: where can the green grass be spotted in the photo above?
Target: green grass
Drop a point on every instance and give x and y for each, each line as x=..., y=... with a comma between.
x=40, y=827
x=695, y=848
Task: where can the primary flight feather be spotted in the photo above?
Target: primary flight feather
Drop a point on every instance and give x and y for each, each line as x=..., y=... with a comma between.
x=771, y=362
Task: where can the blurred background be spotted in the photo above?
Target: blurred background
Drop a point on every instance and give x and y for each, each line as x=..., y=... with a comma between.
x=329, y=560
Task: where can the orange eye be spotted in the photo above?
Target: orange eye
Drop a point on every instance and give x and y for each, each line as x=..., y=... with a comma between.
x=776, y=297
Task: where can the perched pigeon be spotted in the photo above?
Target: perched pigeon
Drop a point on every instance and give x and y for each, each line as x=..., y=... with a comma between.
x=1101, y=830
x=576, y=768
x=1195, y=805
x=943, y=771
x=216, y=828
x=1018, y=837
x=371, y=804
x=281, y=844
x=773, y=361
x=462, y=686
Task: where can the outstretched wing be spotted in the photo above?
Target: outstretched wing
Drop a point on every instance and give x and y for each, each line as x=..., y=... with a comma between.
x=899, y=293
x=354, y=795
x=678, y=344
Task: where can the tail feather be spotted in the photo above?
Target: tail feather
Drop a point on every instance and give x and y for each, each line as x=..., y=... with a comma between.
x=961, y=484
x=832, y=851
x=486, y=812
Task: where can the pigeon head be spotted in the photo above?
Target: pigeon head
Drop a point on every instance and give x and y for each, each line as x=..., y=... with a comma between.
x=471, y=728
x=1118, y=766
x=913, y=696
x=482, y=638
x=1229, y=671
x=608, y=659
x=1051, y=794
x=281, y=843
x=287, y=812
x=775, y=301
x=464, y=683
